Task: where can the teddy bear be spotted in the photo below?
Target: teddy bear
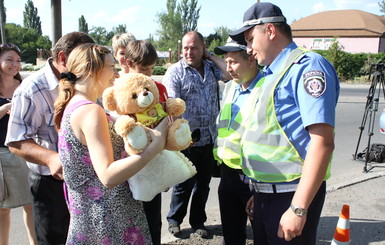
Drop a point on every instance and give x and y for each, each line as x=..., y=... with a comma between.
x=135, y=97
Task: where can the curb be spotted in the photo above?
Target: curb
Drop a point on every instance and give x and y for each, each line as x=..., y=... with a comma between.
x=354, y=181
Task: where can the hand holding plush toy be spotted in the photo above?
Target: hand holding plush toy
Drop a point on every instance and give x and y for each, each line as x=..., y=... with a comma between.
x=136, y=98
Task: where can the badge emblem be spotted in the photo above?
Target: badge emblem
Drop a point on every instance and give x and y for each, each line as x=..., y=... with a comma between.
x=314, y=83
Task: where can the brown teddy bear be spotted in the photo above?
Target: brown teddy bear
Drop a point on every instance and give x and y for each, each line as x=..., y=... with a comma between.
x=135, y=97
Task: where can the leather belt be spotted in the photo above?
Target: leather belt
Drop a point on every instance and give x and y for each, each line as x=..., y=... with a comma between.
x=272, y=188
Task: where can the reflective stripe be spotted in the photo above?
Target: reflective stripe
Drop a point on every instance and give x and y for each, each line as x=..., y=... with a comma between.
x=274, y=167
x=267, y=153
x=276, y=140
x=228, y=144
x=343, y=224
x=227, y=148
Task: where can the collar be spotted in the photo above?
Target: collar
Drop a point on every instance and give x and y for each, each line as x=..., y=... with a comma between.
x=252, y=85
x=185, y=65
x=52, y=80
x=275, y=66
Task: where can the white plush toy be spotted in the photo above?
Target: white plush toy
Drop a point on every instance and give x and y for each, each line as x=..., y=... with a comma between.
x=135, y=97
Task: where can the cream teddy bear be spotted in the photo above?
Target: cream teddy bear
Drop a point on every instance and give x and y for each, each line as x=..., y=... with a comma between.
x=135, y=97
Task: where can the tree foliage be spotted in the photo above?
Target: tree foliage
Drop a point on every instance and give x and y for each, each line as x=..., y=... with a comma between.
x=119, y=29
x=31, y=18
x=176, y=21
x=28, y=40
x=189, y=15
x=382, y=7
x=83, y=25
x=218, y=38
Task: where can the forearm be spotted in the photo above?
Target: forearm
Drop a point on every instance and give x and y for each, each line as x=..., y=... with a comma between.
x=121, y=170
x=32, y=152
x=3, y=111
x=222, y=66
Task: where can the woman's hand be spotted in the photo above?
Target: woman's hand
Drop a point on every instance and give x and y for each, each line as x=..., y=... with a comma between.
x=159, y=135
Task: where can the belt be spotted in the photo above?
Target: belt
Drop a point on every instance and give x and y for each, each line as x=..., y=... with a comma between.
x=272, y=188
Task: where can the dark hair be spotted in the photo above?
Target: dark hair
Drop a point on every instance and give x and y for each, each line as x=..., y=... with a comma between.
x=285, y=29
x=141, y=52
x=70, y=41
x=7, y=47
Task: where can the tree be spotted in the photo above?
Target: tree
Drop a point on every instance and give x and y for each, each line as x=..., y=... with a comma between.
x=83, y=26
x=189, y=15
x=176, y=21
x=28, y=40
x=382, y=7
x=119, y=29
x=99, y=34
x=219, y=38
x=31, y=18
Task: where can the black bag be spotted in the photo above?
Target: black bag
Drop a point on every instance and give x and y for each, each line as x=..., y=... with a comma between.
x=375, y=154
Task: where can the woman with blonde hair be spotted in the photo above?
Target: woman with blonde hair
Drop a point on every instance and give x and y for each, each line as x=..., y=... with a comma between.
x=13, y=168
x=100, y=202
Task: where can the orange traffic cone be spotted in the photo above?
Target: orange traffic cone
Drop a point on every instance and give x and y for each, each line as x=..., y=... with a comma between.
x=342, y=234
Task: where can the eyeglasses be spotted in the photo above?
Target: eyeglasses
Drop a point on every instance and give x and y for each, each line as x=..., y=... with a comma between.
x=9, y=46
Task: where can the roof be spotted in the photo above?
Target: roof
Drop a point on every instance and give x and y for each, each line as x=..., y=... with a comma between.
x=341, y=23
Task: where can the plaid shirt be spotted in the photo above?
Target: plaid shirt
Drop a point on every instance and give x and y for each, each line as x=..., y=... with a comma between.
x=200, y=94
x=32, y=112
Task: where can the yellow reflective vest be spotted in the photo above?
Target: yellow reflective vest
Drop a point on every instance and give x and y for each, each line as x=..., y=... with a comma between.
x=227, y=148
x=267, y=155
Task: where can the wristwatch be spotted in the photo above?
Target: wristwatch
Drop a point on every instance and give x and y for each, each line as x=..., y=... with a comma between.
x=298, y=211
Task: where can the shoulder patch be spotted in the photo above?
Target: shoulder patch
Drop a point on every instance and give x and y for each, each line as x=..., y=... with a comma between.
x=314, y=83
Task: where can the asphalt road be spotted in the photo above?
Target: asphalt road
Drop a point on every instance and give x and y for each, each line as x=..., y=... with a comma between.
x=364, y=192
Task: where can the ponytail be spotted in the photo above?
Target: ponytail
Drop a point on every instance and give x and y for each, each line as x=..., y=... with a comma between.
x=66, y=92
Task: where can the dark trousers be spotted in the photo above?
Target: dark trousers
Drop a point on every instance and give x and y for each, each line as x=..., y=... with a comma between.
x=199, y=185
x=154, y=217
x=50, y=210
x=268, y=209
x=233, y=195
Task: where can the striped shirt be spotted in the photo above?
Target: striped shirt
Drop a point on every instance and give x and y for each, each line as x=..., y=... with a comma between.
x=32, y=112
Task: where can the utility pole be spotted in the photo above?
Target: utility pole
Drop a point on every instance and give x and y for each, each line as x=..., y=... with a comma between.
x=2, y=29
x=56, y=21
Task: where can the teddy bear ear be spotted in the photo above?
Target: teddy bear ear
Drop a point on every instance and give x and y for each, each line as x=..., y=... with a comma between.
x=109, y=101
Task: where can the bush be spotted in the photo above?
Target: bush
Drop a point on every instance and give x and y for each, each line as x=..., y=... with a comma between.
x=159, y=70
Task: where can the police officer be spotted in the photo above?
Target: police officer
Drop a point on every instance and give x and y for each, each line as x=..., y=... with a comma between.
x=233, y=191
x=289, y=140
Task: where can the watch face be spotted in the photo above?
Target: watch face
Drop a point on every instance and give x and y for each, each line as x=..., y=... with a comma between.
x=298, y=211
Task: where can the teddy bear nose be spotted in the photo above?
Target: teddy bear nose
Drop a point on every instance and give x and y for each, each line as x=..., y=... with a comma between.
x=145, y=92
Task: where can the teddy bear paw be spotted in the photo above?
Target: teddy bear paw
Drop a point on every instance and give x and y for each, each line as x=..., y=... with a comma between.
x=183, y=134
x=137, y=138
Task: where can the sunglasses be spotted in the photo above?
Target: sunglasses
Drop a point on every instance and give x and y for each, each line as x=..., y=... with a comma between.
x=9, y=46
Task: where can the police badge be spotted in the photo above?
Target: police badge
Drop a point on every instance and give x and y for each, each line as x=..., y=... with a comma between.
x=314, y=83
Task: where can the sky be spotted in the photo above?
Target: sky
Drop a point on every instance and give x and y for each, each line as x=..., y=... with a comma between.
x=140, y=16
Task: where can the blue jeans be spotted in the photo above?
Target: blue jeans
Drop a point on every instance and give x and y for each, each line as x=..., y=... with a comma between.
x=199, y=185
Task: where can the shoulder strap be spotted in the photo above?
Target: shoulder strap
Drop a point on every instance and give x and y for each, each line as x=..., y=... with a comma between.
x=75, y=105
